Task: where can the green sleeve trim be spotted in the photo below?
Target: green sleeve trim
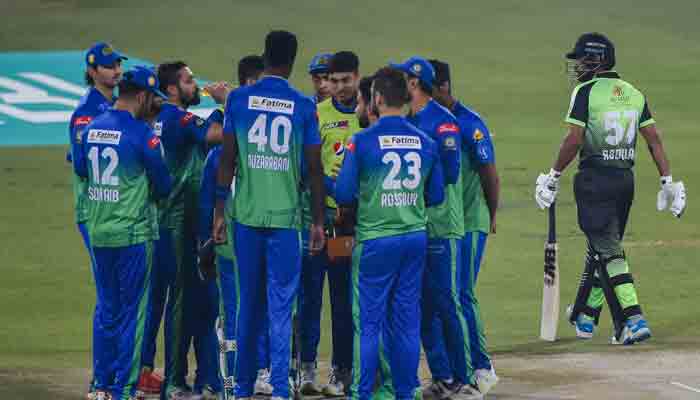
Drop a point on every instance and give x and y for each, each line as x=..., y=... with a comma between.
x=575, y=122
x=648, y=122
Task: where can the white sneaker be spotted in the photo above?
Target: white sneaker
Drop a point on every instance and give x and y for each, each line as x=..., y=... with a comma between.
x=309, y=386
x=100, y=395
x=206, y=394
x=486, y=379
x=262, y=383
x=335, y=386
x=468, y=392
x=442, y=389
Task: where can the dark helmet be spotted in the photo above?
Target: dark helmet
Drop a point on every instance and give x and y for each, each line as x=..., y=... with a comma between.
x=592, y=52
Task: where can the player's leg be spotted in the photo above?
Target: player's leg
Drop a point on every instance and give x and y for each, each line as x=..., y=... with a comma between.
x=163, y=267
x=262, y=382
x=283, y=259
x=105, y=345
x=404, y=306
x=313, y=274
x=250, y=256
x=585, y=312
x=473, y=246
x=341, y=326
x=228, y=310
x=133, y=267
x=82, y=228
x=206, y=348
x=176, y=339
x=371, y=279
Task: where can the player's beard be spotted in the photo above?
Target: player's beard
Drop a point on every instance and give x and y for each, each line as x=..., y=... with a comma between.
x=193, y=100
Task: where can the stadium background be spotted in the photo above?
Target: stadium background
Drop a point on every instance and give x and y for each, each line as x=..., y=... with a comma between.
x=506, y=59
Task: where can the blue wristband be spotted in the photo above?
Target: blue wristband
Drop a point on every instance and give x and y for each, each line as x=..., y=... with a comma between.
x=222, y=192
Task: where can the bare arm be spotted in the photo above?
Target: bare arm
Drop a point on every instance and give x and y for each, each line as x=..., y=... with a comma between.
x=215, y=133
x=569, y=147
x=492, y=187
x=224, y=177
x=312, y=153
x=656, y=148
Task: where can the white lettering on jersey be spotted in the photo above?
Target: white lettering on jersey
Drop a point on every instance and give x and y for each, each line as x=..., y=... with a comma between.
x=103, y=136
x=399, y=142
x=399, y=199
x=270, y=163
x=259, y=103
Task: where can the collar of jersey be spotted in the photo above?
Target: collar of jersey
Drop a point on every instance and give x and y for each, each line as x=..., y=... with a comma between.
x=98, y=93
x=273, y=78
x=426, y=108
x=343, y=109
x=608, y=74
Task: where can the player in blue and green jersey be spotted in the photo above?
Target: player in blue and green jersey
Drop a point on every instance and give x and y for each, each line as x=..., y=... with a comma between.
x=337, y=123
x=181, y=132
x=318, y=71
x=249, y=70
x=391, y=172
x=480, y=188
x=120, y=157
x=269, y=126
x=604, y=116
x=102, y=76
x=445, y=232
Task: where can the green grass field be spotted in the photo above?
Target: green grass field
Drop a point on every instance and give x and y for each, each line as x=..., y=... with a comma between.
x=507, y=62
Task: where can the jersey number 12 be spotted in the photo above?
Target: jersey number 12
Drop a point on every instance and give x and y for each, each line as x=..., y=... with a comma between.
x=106, y=176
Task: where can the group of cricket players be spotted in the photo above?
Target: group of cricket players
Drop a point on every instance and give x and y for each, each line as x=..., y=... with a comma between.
x=224, y=228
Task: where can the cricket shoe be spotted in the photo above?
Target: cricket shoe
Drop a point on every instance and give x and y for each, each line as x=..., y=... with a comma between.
x=309, y=385
x=262, y=383
x=441, y=389
x=100, y=395
x=205, y=393
x=336, y=386
x=635, y=331
x=584, y=324
x=468, y=392
x=485, y=379
x=149, y=383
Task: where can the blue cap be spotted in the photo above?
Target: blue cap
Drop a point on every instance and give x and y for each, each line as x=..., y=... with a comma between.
x=417, y=67
x=144, y=77
x=103, y=54
x=319, y=63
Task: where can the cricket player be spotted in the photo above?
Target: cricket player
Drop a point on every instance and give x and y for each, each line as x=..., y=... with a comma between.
x=181, y=133
x=337, y=123
x=269, y=127
x=318, y=71
x=604, y=116
x=103, y=70
x=392, y=171
x=445, y=232
x=250, y=69
x=480, y=192
x=121, y=159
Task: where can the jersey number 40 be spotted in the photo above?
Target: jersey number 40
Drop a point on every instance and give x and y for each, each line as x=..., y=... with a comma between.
x=258, y=133
x=413, y=163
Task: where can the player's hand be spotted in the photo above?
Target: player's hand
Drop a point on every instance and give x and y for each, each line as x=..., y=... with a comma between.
x=546, y=188
x=493, y=224
x=335, y=169
x=671, y=196
x=317, y=239
x=218, y=232
x=218, y=91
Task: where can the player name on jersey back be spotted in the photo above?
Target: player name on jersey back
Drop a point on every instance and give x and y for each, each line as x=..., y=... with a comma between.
x=270, y=104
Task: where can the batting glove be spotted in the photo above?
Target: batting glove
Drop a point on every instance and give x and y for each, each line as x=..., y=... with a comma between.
x=546, y=188
x=671, y=196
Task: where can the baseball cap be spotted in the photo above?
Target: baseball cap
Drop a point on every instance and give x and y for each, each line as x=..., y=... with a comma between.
x=103, y=54
x=145, y=78
x=593, y=44
x=319, y=63
x=417, y=67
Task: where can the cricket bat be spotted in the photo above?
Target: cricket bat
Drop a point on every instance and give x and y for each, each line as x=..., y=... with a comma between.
x=550, y=291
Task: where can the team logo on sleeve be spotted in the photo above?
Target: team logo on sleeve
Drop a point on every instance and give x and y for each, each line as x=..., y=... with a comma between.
x=478, y=135
x=186, y=119
x=399, y=142
x=104, y=136
x=259, y=103
x=153, y=142
x=447, y=128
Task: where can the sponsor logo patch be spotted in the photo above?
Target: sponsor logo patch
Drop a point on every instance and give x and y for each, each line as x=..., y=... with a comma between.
x=345, y=124
x=153, y=142
x=399, y=142
x=270, y=104
x=351, y=147
x=339, y=148
x=91, y=58
x=450, y=143
x=447, y=128
x=84, y=120
x=186, y=118
x=104, y=136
